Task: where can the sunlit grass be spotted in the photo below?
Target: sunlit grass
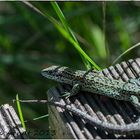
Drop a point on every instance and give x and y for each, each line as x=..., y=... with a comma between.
x=29, y=42
x=67, y=33
x=20, y=112
x=125, y=52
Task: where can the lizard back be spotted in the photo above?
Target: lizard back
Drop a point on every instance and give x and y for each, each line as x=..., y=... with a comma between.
x=92, y=82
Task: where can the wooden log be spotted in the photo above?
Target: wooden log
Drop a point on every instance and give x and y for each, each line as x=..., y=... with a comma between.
x=67, y=125
x=10, y=125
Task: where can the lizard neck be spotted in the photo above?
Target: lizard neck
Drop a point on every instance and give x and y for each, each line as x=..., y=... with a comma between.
x=63, y=74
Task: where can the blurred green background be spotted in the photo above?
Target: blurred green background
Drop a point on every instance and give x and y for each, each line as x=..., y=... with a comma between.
x=29, y=42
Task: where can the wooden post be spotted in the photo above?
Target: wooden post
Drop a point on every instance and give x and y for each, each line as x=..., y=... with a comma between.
x=10, y=125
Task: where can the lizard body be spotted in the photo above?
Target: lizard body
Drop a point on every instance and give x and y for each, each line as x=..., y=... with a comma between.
x=95, y=83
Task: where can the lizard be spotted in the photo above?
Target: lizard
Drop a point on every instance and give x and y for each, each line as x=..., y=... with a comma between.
x=92, y=81
x=132, y=128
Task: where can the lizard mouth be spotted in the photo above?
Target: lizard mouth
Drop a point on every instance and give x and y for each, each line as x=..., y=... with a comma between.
x=54, y=72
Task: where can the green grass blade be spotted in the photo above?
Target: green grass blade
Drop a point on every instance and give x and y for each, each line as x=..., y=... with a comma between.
x=68, y=29
x=68, y=35
x=63, y=19
x=41, y=117
x=37, y=118
x=128, y=50
x=123, y=34
x=20, y=112
x=97, y=38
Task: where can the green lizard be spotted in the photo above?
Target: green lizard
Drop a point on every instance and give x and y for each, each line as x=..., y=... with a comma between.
x=95, y=83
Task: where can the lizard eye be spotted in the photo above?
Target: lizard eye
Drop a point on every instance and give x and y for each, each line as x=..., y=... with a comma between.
x=50, y=72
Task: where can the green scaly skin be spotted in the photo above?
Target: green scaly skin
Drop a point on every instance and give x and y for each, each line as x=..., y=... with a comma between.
x=95, y=83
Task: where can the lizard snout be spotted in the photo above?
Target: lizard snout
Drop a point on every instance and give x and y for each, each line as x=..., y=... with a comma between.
x=49, y=71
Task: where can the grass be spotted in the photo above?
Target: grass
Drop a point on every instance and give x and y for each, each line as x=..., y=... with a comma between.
x=75, y=34
x=20, y=112
x=67, y=33
x=125, y=52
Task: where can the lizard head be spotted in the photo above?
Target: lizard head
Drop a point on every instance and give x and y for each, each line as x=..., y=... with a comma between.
x=59, y=73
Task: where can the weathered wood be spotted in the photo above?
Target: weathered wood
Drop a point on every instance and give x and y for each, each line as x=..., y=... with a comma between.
x=67, y=125
x=10, y=125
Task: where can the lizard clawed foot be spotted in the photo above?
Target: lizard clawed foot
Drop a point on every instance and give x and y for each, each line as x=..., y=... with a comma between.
x=135, y=101
x=65, y=95
x=73, y=91
x=51, y=99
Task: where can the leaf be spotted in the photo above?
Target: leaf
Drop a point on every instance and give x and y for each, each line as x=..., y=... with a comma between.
x=125, y=52
x=41, y=117
x=66, y=32
x=20, y=112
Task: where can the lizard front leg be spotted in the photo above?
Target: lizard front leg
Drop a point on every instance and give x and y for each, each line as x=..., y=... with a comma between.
x=75, y=89
x=135, y=101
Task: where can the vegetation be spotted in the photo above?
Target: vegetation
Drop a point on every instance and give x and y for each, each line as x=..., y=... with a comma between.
x=76, y=34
